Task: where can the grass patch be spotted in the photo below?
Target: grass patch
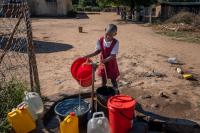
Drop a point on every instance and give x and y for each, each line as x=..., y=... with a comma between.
x=191, y=37
x=11, y=94
x=175, y=34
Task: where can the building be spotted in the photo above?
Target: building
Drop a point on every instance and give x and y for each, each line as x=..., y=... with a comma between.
x=154, y=10
x=164, y=9
x=50, y=7
x=168, y=9
x=42, y=7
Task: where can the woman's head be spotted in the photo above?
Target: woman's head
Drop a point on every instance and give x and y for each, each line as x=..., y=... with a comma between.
x=110, y=31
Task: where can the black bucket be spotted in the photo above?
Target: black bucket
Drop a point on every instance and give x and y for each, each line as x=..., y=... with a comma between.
x=63, y=108
x=103, y=94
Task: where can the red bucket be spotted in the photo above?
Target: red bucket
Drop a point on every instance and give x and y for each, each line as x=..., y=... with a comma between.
x=121, y=113
x=76, y=64
x=84, y=75
x=81, y=70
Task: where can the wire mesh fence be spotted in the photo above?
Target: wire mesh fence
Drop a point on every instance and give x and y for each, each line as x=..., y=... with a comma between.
x=18, y=69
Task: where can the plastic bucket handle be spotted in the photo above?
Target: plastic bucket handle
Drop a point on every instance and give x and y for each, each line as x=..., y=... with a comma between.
x=28, y=94
x=86, y=62
x=25, y=93
x=68, y=119
x=22, y=105
x=34, y=93
x=97, y=114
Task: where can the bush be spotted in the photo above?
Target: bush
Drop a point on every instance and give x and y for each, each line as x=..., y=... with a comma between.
x=88, y=8
x=96, y=9
x=12, y=94
x=80, y=9
x=83, y=3
x=75, y=7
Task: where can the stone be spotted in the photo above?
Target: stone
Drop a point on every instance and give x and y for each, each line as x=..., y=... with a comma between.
x=154, y=74
x=168, y=100
x=123, y=83
x=58, y=81
x=146, y=97
x=155, y=105
x=174, y=92
x=163, y=94
x=137, y=83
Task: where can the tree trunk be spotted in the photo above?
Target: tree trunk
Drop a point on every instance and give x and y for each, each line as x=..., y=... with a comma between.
x=150, y=14
x=132, y=8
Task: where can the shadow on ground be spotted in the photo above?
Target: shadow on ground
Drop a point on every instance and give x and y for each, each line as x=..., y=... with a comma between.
x=50, y=47
x=20, y=45
x=166, y=124
x=80, y=15
x=123, y=22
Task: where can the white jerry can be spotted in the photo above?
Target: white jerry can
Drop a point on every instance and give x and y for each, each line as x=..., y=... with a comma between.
x=98, y=124
x=35, y=103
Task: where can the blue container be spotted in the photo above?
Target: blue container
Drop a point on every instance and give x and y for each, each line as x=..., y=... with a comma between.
x=63, y=108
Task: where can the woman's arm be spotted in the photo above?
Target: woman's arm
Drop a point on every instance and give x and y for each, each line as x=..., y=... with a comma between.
x=109, y=58
x=93, y=54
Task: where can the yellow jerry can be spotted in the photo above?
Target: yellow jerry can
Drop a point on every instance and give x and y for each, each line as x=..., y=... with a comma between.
x=69, y=124
x=187, y=76
x=21, y=120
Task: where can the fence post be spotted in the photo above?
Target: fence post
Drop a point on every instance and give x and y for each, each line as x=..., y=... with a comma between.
x=31, y=50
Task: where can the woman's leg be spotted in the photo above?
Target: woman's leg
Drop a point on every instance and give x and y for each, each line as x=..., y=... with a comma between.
x=115, y=85
x=104, y=81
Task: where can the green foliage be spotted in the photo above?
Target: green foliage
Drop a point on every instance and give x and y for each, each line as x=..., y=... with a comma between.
x=80, y=9
x=182, y=0
x=12, y=94
x=75, y=2
x=88, y=8
x=84, y=3
x=104, y=3
x=96, y=9
x=75, y=6
x=131, y=3
x=145, y=2
x=183, y=36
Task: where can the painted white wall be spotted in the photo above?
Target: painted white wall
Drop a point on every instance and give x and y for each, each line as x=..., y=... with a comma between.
x=63, y=6
x=42, y=7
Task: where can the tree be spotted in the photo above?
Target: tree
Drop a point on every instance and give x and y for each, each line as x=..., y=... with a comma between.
x=130, y=3
x=145, y=2
x=104, y=3
x=84, y=3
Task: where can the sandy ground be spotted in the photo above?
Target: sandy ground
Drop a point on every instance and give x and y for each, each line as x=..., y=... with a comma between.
x=58, y=43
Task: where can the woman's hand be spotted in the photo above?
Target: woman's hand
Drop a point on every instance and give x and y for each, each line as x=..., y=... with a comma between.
x=103, y=62
x=108, y=59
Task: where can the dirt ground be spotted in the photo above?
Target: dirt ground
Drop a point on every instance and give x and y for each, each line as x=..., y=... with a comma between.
x=142, y=51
